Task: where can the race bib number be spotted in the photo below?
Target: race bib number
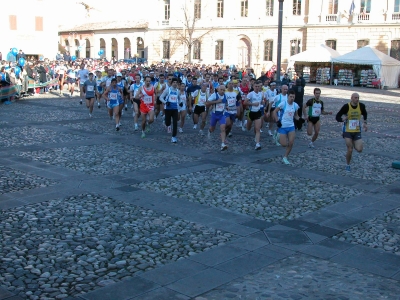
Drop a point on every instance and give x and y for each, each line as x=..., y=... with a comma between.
x=353, y=124
x=90, y=88
x=173, y=98
x=231, y=102
x=220, y=107
x=108, y=82
x=290, y=114
x=316, y=112
x=147, y=99
x=113, y=96
x=202, y=101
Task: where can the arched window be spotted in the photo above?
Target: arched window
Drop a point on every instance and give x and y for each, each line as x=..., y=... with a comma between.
x=362, y=43
x=395, y=49
x=219, y=50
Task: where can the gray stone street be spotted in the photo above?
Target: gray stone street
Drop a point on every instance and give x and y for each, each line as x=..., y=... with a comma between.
x=89, y=213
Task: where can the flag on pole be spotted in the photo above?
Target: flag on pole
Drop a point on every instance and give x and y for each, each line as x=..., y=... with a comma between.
x=352, y=7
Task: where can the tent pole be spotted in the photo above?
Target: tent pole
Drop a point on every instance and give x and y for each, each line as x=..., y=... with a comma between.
x=331, y=77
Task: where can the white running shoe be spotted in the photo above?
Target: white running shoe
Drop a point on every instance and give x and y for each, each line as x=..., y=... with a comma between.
x=195, y=126
x=90, y=115
x=143, y=135
x=270, y=133
x=261, y=130
x=209, y=134
x=180, y=130
x=230, y=134
x=285, y=161
x=311, y=145
x=223, y=147
x=258, y=146
x=201, y=132
x=117, y=127
x=136, y=127
x=174, y=140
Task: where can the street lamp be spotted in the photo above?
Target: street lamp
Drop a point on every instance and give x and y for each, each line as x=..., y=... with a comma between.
x=279, y=52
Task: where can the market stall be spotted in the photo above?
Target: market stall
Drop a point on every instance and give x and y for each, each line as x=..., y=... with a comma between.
x=373, y=67
x=315, y=64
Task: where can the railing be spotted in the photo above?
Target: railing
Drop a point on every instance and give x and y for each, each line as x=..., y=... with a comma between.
x=363, y=17
x=331, y=18
x=396, y=16
x=165, y=23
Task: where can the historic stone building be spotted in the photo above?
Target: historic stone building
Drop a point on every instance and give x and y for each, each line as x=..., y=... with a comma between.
x=240, y=32
x=29, y=25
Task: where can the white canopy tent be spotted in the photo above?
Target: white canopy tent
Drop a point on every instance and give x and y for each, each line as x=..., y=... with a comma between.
x=385, y=67
x=322, y=53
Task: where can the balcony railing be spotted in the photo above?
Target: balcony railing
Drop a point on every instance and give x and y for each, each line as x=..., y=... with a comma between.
x=396, y=16
x=331, y=18
x=363, y=17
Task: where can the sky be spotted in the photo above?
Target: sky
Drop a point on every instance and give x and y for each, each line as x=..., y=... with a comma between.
x=104, y=10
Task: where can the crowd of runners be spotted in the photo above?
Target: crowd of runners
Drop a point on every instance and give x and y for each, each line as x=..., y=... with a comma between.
x=176, y=94
x=227, y=101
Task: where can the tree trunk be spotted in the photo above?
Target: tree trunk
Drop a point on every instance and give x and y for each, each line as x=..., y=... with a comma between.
x=190, y=54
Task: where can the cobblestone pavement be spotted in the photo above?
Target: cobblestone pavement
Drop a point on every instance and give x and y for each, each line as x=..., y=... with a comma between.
x=90, y=213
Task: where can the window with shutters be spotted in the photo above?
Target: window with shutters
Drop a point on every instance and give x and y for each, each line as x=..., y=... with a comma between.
x=166, y=49
x=197, y=50
x=13, y=22
x=331, y=44
x=395, y=49
x=39, y=23
x=244, y=8
x=269, y=8
x=166, y=9
x=268, y=50
x=365, y=6
x=219, y=50
x=220, y=8
x=197, y=9
x=297, y=7
x=333, y=7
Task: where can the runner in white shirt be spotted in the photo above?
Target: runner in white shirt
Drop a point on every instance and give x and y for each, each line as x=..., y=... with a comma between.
x=270, y=95
x=232, y=97
x=182, y=106
x=285, y=120
x=61, y=70
x=83, y=75
x=254, y=101
x=134, y=88
x=274, y=104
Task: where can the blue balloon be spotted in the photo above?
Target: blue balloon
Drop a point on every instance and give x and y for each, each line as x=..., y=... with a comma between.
x=21, y=61
x=101, y=52
x=14, y=51
x=17, y=71
x=73, y=58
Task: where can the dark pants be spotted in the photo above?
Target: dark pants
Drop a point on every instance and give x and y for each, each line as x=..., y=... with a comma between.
x=300, y=110
x=172, y=113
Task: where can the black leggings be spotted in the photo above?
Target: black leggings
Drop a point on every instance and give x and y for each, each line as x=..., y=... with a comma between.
x=172, y=113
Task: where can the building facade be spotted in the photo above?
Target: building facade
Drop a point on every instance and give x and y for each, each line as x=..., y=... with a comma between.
x=30, y=27
x=240, y=32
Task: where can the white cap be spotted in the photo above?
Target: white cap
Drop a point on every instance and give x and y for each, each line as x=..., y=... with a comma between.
x=119, y=74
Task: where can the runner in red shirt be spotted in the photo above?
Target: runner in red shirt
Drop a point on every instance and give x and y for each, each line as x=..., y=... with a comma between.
x=147, y=100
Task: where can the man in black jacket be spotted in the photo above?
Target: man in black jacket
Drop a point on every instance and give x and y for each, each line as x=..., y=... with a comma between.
x=21, y=54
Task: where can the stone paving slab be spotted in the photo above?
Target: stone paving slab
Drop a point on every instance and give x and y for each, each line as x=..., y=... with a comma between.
x=304, y=277
x=206, y=280
x=162, y=294
x=118, y=162
x=85, y=255
x=267, y=203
